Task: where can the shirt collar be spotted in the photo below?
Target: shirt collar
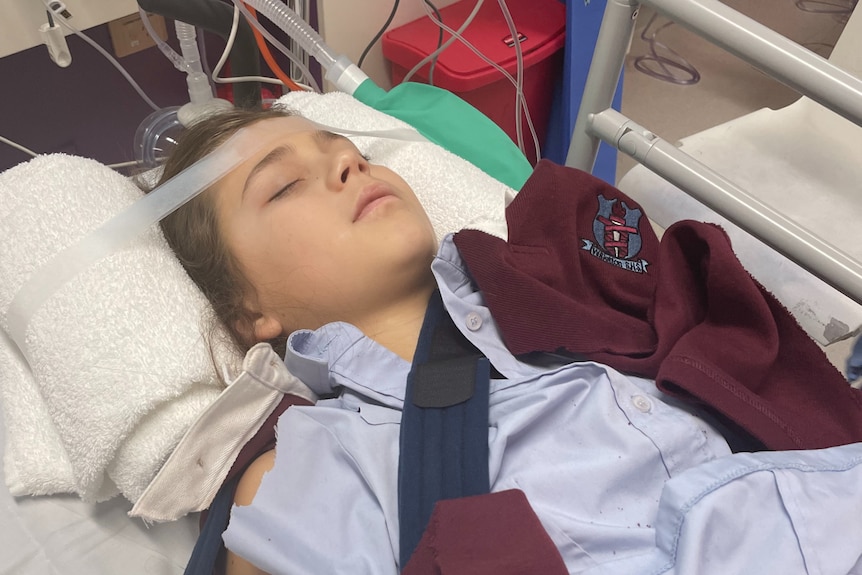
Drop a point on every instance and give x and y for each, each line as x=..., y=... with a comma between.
x=450, y=271
x=323, y=359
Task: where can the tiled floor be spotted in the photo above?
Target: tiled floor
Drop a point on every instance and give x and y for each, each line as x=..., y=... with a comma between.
x=728, y=87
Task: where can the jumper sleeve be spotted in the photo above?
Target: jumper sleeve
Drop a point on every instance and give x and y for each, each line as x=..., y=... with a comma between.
x=493, y=534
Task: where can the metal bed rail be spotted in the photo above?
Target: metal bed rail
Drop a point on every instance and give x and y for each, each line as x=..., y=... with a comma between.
x=775, y=55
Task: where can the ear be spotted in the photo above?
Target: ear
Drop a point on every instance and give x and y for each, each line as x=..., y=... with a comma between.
x=266, y=327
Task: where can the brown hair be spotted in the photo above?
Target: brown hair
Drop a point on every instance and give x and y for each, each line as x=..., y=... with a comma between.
x=192, y=230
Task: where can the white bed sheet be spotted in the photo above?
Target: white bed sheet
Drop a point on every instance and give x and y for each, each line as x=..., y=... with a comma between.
x=62, y=535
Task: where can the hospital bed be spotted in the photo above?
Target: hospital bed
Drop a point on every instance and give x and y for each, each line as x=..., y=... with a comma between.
x=64, y=535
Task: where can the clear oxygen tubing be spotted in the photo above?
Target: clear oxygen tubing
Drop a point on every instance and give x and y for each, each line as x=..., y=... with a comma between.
x=447, y=43
x=277, y=19
x=456, y=34
x=165, y=48
x=140, y=216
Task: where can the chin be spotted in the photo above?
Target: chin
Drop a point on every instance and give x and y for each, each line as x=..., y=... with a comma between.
x=416, y=243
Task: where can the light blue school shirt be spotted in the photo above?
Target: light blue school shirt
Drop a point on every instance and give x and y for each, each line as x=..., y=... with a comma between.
x=591, y=448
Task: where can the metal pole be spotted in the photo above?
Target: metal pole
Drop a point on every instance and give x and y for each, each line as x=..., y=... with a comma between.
x=782, y=234
x=607, y=64
x=784, y=60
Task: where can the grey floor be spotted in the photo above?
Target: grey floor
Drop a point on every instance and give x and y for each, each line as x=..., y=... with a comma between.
x=728, y=87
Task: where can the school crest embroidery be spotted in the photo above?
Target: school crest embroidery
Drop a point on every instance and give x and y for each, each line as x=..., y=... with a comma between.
x=617, y=235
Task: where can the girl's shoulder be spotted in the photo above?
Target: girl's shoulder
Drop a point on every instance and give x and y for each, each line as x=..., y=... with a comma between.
x=246, y=489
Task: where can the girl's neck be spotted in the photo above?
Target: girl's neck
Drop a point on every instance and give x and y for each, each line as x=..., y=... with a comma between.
x=398, y=329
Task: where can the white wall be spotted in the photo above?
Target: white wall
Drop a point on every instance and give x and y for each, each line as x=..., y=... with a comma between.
x=348, y=26
x=20, y=19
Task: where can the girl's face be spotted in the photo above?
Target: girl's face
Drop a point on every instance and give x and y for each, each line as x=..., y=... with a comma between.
x=320, y=233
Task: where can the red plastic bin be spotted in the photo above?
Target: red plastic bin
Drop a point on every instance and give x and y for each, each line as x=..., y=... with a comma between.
x=541, y=24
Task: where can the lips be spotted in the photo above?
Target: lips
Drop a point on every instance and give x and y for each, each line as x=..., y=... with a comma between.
x=369, y=198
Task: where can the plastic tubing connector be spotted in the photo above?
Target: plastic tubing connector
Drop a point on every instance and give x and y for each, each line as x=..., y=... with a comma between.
x=199, y=86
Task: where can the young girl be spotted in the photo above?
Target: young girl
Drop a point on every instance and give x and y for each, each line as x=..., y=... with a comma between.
x=331, y=258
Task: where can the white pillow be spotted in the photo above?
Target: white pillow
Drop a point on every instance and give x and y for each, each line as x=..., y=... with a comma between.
x=119, y=366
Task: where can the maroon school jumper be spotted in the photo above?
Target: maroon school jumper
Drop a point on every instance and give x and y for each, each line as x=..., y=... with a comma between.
x=583, y=272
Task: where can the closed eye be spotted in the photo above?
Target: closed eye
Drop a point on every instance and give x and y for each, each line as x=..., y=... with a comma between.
x=285, y=190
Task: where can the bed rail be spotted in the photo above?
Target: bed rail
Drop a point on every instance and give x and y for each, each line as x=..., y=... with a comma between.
x=782, y=59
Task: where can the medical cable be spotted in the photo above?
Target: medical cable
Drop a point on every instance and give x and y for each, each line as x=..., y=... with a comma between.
x=456, y=35
x=663, y=62
x=224, y=55
x=30, y=152
x=270, y=59
x=262, y=8
x=519, y=88
x=379, y=33
x=386, y=26
x=18, y=146
x=59, y=17
x=439, y=41
x=128, y=164
x=519, y=93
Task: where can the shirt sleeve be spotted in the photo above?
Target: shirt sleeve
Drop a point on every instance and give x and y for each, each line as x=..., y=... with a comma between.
x=314, y=511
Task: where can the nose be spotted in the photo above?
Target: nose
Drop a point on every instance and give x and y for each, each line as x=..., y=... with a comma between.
x=348, y=165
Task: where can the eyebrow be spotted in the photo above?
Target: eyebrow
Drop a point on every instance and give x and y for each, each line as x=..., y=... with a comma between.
x=321, y=137
x=271, y=158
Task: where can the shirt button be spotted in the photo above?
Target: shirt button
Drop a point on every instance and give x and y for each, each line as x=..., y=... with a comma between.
x=642, y=403
x=474, y=321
